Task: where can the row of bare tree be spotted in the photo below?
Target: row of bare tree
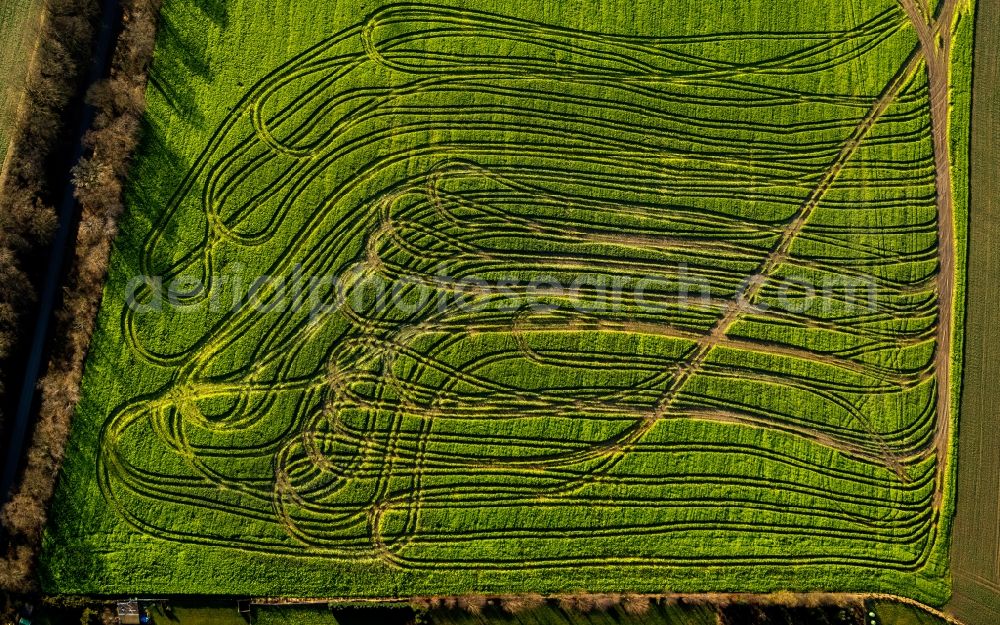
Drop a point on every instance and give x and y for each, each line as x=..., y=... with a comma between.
x=99, y=178
x=750, y=607
x=27, y=220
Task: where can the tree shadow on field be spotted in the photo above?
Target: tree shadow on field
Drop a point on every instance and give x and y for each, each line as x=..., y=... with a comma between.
x=183, y=39
x=157, y=171
x=215, y=10
x=182, y=52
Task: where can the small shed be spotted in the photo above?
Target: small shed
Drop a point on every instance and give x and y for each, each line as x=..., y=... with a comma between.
x=128, y=613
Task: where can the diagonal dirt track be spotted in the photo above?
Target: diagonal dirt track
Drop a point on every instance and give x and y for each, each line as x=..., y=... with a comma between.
x=935, y=39
x=612, y=451
x=755, y=283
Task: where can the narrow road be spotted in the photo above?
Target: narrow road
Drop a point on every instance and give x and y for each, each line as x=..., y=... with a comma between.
x=55, y=272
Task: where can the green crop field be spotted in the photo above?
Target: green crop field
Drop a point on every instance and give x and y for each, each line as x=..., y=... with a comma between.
x=901, y=614
x=541, y=296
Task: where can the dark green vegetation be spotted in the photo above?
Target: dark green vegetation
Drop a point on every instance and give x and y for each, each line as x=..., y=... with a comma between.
x=225, y=613
x=668, y=304
x=976, y=541
x=899, y=614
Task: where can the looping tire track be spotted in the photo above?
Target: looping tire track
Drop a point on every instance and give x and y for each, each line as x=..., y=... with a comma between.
x=365, y=453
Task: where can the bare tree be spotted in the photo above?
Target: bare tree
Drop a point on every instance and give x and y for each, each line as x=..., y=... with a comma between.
x=26, y=222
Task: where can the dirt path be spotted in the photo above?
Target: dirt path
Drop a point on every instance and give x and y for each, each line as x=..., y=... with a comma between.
x=935, y=35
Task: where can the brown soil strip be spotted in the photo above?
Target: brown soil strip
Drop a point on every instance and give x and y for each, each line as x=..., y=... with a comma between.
x=936, y=40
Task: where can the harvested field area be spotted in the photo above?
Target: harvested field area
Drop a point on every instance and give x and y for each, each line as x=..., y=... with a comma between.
x=19, y=25
x=455, y=297
x=976, y=540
